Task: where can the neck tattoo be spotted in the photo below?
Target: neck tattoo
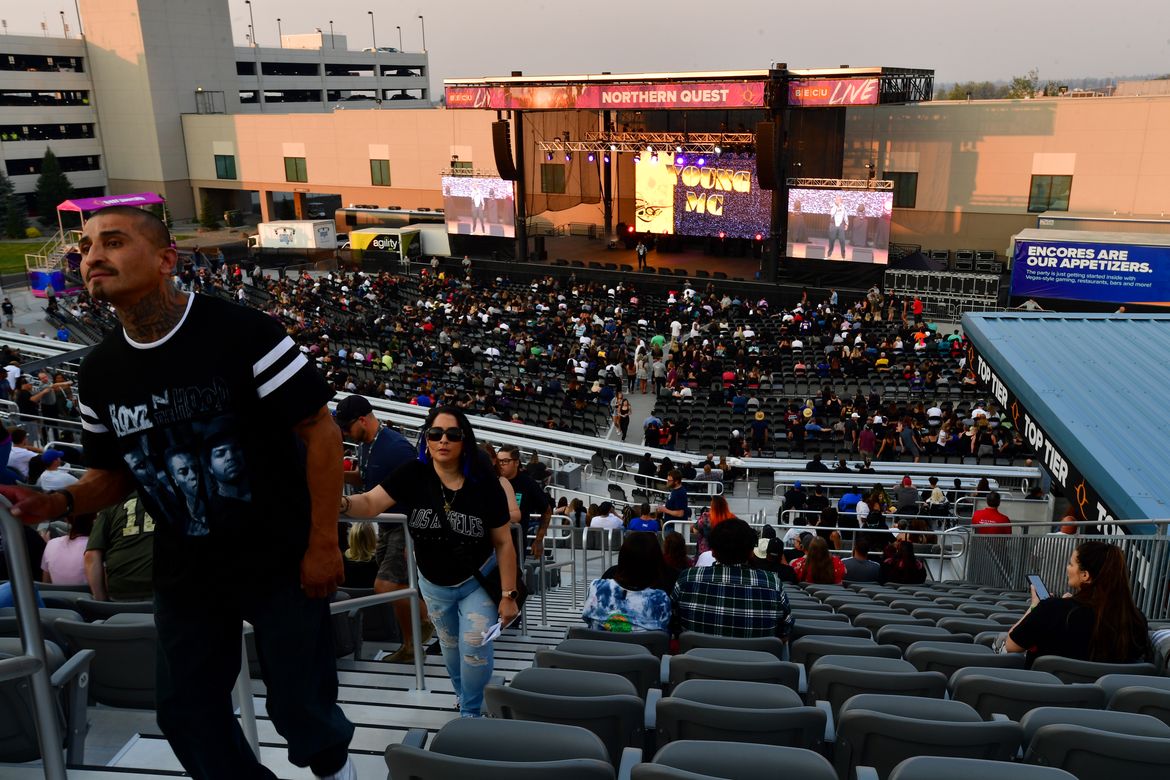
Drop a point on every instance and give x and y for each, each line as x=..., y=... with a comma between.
x=154, y=315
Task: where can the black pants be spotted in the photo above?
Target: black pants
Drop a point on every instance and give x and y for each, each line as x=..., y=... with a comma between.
x=199, y=659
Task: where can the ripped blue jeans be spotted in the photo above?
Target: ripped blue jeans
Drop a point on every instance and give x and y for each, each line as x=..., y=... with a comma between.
x=461, y=613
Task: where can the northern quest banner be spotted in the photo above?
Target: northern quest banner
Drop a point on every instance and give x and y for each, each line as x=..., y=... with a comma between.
x=713, y=94
x=1082, y=271
x=1086, y=503
x=833, y=92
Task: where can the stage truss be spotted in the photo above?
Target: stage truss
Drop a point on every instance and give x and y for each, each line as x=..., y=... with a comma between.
x=645, y=142
x=842, y=184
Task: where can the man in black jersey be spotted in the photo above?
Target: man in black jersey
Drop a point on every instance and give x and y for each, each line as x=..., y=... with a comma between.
x=211, y=412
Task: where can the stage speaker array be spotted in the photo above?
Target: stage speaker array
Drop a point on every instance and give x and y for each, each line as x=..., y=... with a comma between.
x=765, y=157
x=502, y=145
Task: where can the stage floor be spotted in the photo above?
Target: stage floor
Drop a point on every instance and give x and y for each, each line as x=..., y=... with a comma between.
x=690, y=260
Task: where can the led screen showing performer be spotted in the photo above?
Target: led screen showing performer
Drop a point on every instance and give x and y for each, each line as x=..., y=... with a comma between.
x=476, y=206
x=851, y=225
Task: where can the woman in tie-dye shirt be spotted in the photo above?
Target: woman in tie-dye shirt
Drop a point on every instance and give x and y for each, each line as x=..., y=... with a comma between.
x=633, y=596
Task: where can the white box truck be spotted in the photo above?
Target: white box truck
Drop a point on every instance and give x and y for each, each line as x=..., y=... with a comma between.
x=304, y=234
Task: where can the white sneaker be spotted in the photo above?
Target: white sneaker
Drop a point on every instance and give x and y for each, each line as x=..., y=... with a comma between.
x=347, y=772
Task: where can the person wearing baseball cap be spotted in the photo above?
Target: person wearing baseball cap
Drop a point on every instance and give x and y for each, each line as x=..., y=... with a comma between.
x=52, y=478
x=381, y=451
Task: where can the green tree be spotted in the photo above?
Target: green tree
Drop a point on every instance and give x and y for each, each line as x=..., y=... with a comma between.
x=207, y=217
x=1025, y=86
x=162, y=212
x=53, y=186
x=13, y=216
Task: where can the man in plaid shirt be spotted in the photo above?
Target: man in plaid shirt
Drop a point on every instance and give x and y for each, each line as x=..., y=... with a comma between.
x=730, y=598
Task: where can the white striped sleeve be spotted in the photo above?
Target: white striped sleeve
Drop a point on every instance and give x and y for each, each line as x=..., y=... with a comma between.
x=89, y=419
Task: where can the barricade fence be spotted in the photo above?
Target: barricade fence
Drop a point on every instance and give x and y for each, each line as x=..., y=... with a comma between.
x=1006, y=560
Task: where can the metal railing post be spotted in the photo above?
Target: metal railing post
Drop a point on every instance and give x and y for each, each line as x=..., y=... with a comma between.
x=420, y=680
x=33, y=645
x=244, y=696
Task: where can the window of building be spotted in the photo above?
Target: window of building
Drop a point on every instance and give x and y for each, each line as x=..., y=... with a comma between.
x=380, y=173
x=225, y=166
x=905, y=188
x=552, y=178
x=461, y=167
x=1049, y=193
x=295, y=169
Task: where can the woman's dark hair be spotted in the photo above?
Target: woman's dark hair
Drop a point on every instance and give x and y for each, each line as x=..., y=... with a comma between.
x=81, y=525
x=904, y=557
x=640, y=564
x=674, y=550
x=819, y=562
x=473, y=461
x=1120, y=631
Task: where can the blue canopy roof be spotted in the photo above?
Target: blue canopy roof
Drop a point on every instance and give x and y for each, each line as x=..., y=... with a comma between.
x=1098, y=385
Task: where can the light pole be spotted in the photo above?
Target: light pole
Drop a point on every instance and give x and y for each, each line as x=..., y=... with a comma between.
x=279, y=33
x=373, y=34
x=423, y=23
x=399, y=28
x=251, y=21
x=64, y=27
x=77, y=10
x=332, y=45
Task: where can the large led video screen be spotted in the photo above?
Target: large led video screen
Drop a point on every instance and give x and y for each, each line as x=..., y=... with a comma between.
x=850, y=225
x=476, y=206
x=697, y=195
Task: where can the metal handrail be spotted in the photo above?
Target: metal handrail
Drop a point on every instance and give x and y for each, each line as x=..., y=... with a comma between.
x=32, y=663
x=706, y=483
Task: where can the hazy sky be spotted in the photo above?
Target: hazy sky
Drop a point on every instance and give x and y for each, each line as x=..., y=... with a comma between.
x=974, y=40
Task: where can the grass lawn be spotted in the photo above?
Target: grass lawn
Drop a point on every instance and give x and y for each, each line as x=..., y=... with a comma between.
x=12, y=254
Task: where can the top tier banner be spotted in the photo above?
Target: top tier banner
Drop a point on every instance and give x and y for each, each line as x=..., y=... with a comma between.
x=833, y=92
x=712, y=94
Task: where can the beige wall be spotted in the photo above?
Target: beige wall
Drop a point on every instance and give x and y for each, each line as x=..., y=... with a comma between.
x=975, y=161
x=147, y=57
x=338, y=147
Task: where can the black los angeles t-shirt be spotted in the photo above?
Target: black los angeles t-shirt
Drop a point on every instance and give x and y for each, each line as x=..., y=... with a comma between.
x=448, y=557
x=204, y=418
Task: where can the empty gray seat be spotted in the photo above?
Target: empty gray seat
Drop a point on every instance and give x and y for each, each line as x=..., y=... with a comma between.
x=875, y=621
x=826, y=628
x=9, y=626
x=497, y=749
x=938, y=613
x=969, y=625
x=722, y=663
x=69, y=680
x=606, y=704
x=657, y=642
x=700, y=759
x=882, y=731
x=807, y=650
x=1093, y=753
x=801, y=615
x=936, y=767
x=92, y=610
x=855, y=610
x=949, y=657
x=734, y=711
x=1073, y=670
x=903, y=636
x=1137, y=693
x=123, y=670
x=689, y=640
x=1013, y=692
x=1103, y=720
x=837, y=678
x=634, y=662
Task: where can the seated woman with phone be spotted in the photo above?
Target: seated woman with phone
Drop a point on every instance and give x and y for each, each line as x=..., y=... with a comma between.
x=1096, y=621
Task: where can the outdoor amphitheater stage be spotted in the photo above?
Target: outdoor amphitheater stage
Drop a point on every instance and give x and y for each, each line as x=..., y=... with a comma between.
x=695, y=260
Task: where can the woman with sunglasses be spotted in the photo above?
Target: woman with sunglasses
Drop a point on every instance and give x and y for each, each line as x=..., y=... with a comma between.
x=458, y=518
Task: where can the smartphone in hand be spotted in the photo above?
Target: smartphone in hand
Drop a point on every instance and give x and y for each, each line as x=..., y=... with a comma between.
x=1038, y=585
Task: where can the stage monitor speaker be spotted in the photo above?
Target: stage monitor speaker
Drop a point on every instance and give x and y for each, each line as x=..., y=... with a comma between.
x=502, y=145
x=765, y=160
